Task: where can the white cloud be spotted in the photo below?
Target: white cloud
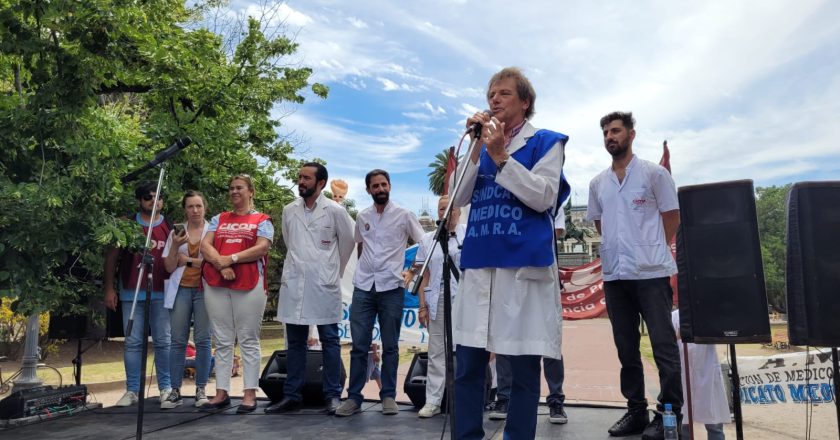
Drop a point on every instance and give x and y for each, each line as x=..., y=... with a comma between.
x=359, y=24
x=390, y=86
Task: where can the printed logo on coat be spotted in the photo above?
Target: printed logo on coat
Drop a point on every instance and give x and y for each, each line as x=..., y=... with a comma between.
x=639, y=202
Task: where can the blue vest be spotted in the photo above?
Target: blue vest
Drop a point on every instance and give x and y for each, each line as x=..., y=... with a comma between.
x=503, y=232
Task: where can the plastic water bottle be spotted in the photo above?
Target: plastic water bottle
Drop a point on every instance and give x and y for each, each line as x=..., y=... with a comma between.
x=669, y=422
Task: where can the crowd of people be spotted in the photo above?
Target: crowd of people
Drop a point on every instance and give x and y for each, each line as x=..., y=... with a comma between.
x=506, y=295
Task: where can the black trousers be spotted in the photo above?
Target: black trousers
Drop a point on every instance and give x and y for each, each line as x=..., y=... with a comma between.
x=652, y=299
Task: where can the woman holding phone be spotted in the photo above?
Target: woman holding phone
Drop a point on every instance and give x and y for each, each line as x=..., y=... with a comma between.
x=184, y=297
x=236, y=254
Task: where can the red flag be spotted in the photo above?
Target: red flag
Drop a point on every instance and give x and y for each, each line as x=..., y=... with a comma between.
x=666, y=162
x=666, y=156
x=451, y=164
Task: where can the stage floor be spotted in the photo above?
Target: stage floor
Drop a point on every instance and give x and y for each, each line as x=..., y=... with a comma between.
x=186, y=422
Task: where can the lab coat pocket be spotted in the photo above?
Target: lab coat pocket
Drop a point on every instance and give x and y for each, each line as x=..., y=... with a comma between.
x=534, y=274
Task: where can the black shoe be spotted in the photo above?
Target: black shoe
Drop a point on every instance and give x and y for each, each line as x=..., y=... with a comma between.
x=332, y=404
x=499, y=410
x=283, y=406
x=631, y=423
x=214, y=406
x=655, y=430
x=557, y=415
x=245, y=409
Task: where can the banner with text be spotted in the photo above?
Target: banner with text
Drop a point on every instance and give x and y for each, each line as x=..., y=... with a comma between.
x=786, y=378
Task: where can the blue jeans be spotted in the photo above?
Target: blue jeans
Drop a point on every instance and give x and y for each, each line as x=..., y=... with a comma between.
x=367, y=306
x=296, y=336
x=555, y=372
x=189, y=305
x=470, y=370
x=159, y=325
x=504, y=377
x=714, y=431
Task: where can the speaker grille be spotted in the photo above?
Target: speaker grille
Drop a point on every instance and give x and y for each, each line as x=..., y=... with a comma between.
x=722, y=296
x=813, y=263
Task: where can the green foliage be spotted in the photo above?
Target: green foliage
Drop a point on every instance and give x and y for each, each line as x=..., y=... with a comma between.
x=88, y=91
x=771, y=210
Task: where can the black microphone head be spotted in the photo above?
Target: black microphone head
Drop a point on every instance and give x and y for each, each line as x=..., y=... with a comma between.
x=184, y=142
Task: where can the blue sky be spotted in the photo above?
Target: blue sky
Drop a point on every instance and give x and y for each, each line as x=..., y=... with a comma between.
x=741, y=90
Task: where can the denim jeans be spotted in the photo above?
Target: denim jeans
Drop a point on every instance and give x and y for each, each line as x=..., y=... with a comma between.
x=470, y=371
x=652, y=299
x=714, y=431
x=189, y=305
x=296, y=336
x=367, y=306
x=504, y=377
x=555, y=372
x=159, y=325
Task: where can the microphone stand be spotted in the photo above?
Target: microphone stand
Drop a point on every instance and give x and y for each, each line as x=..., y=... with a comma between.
x=146, y=268
x=442, y=238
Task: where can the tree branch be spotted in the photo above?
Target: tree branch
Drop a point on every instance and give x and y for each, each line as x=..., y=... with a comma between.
x=122, y=88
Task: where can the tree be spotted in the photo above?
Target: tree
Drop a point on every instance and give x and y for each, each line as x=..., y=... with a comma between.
x=437, y=176
x=88, y=89
x=771, y=211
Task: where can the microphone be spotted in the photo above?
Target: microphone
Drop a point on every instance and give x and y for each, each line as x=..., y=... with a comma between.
x=163, y=156
x=476, y=127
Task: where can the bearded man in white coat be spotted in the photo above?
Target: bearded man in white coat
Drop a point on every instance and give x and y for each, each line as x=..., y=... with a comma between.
x=319, y=239
x=508, y=301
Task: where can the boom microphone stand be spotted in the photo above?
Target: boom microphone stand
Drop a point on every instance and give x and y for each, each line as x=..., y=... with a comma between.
x=442, y=238
x=147, y=268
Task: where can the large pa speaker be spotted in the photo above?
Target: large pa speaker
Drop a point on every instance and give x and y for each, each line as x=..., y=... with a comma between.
x=83, y=326
x=415, y=381
x=722, y=297
x=813, y=264
x=274, y=377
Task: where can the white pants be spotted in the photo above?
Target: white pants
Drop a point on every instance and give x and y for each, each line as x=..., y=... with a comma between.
x=236, y=314
x=436, y=368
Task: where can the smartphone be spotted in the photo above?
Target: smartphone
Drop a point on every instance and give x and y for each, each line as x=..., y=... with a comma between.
x=179, y=229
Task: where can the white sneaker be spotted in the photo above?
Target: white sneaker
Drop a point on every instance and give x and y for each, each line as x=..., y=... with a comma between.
x=200, y=397
x=164, y=395
x=128, y=399
x=429, y=410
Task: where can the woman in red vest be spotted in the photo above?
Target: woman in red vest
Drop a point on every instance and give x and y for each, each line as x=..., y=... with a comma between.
x=235, y=257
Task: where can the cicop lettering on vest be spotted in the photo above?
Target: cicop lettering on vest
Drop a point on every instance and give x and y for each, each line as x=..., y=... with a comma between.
x=237, y=227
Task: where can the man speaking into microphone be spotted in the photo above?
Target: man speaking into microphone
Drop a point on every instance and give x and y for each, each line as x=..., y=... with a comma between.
x=508, y=301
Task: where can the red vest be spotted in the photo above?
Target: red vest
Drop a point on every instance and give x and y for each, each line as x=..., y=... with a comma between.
x=130, y=262
x=234, y=234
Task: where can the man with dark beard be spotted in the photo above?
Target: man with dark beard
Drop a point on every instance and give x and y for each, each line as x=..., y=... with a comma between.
x=382, y=232
x=319, y=240
x=635, y=209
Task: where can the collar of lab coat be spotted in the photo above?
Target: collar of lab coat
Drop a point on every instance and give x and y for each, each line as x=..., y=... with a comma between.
x=522, y=137
x=319, y=211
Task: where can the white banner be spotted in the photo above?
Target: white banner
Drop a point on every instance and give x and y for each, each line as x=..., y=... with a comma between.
x=410, y=333
x=786, y=378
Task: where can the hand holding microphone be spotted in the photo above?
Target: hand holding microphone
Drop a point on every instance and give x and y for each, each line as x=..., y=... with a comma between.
x=476, y=121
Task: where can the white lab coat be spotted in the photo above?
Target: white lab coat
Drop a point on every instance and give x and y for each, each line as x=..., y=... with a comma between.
x=317, y=253
x=513, y=311
x=708, y=395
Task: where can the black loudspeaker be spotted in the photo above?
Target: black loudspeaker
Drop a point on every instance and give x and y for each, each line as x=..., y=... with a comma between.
x=415, y=381
x=274, y=377
x=722, y=297
x=813, y=264
x=77, y=326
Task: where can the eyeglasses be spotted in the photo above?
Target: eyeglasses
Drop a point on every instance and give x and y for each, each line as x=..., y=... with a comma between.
x=148, y=197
